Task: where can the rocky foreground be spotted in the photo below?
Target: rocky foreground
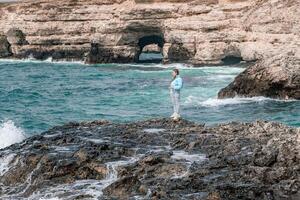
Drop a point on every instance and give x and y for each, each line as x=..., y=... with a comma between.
x=155, y=159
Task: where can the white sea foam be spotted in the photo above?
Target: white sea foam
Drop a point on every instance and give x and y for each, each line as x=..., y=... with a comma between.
x=183, y=155
x=48, y=60
x=162, y=66
x=222, y=70
x=10, y=134
x=214, y=102
x=154, y=130
x=174, y=65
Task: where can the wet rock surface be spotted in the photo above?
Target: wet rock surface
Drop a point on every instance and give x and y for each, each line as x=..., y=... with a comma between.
x=154, y=159
x=276, y=77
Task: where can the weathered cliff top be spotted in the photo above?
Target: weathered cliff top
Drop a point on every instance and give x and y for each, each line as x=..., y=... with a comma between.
x=196, y=31
x=154, y=159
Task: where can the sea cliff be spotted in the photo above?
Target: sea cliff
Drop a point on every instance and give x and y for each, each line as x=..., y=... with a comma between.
x=198, y=32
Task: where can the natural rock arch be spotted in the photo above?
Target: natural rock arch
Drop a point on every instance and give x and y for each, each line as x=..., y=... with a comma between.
x=148, y=40
x=151, y=39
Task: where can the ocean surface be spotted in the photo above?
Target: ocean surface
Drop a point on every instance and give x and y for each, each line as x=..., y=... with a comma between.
x=35, y=96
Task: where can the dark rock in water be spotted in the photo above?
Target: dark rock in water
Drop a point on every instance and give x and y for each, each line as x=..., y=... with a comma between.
x=5, y=50
x=276, y=77
x=154, y=159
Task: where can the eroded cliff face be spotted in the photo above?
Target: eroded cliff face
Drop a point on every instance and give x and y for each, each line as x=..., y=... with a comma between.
x=199, y=32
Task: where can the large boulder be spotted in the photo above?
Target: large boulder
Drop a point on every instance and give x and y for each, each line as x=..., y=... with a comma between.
x=276, y=77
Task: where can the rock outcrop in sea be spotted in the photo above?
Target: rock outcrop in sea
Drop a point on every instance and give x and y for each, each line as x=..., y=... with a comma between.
x=276, y=77
x=192, y=31
x=154, y=159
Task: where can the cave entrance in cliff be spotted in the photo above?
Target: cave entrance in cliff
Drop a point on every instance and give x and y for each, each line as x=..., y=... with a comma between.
x=150, y=49
x=232, y=60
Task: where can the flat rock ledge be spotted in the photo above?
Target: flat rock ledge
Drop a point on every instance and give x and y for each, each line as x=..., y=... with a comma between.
x=155, y=159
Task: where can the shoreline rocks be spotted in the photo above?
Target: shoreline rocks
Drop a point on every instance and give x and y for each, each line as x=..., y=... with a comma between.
x=155, y=159
x=5, y=50
x=276, y=77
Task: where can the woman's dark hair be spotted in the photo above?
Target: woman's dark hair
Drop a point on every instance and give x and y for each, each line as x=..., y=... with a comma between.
x=176, y=71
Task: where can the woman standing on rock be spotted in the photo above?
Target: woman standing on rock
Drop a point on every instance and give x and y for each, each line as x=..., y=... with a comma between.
x=175, y=87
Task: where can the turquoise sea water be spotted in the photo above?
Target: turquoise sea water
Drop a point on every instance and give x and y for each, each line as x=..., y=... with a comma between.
x=38, y=95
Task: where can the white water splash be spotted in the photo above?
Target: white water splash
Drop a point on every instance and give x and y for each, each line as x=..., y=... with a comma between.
x=4, y=163
x=214, y=102
x=188, y=160
x=112, y=175
x=10, y=134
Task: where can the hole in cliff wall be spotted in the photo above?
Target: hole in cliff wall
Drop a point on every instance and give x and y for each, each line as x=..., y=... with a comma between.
x=150, y=49
x=232, y=60
x=151, y=53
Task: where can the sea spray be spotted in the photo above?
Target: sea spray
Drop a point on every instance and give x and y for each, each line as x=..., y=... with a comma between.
x=10, y=134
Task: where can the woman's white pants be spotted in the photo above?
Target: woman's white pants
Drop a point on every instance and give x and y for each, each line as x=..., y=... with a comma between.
x=175, y=98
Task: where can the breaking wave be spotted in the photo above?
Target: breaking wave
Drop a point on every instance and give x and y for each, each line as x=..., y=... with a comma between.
x=10, y=134
x=214, y=102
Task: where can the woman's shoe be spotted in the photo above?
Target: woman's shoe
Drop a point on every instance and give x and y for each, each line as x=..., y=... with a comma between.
x=176, y=117
x=173, y=115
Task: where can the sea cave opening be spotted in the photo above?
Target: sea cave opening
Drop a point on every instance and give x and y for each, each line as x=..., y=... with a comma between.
x=150, y=49
x=232, y=60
